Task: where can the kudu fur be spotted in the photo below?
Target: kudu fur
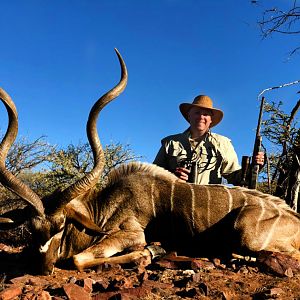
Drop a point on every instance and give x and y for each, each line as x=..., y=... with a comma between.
x=143, y=203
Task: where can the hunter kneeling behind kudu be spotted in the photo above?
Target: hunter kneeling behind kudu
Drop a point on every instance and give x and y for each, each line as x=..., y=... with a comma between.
x=198, y=155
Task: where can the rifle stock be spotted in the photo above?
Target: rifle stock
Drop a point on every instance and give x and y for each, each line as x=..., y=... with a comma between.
x=255, y=167
x=245, y=171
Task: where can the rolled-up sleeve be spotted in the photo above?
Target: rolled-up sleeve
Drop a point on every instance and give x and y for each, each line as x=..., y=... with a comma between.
x=171, y=153
x=160, y=159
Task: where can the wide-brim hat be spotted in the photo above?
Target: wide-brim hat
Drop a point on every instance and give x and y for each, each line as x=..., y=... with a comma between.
x=202, y=101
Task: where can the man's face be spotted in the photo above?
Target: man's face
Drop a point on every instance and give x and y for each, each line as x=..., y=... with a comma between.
x=200, y=119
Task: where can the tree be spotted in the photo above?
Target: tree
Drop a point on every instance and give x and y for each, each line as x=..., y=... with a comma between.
x=46, y=168
x=276, y=20
x=25, y=156
x=282, y=131
x=67, y=165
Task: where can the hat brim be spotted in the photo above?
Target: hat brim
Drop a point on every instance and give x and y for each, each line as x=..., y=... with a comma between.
x=216, y=118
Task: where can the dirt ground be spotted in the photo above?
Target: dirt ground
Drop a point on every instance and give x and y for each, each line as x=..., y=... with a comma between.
x=170, y=277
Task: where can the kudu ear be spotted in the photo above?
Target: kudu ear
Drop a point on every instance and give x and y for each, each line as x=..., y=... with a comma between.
x=73, y=214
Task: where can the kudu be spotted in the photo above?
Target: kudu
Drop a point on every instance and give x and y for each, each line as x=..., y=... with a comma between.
x=143, y=203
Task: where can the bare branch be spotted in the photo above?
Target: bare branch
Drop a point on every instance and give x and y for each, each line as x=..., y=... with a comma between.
x=276, y=20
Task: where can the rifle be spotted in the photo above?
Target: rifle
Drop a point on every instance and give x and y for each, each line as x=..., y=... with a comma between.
x=256, y=149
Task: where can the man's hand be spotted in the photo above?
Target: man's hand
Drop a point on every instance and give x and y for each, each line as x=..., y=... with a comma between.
x=182, y=173
x=260, y=159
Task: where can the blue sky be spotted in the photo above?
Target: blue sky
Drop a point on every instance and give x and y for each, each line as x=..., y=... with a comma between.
x=57, y=58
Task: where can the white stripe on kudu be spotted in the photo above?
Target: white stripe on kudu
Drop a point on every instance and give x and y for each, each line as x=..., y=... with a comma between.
x=152, y=198
x=273, y=227
x=172, y=195
x=208, y=204
x=193, y=205
x=261, y=215
x=230, y=200
x=241, y=210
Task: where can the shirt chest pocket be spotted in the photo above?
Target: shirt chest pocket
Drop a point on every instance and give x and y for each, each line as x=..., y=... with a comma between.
x=175, y=154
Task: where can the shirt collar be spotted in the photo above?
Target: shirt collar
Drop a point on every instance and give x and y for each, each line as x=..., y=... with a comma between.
x=187, y=133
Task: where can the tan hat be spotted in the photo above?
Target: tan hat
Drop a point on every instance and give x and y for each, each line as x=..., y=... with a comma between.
x=203, y=102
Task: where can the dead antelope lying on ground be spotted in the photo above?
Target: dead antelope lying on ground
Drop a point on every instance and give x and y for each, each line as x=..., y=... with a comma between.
x=143, y=203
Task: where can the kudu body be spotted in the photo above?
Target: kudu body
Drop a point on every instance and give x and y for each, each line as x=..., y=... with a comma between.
x=143, y=203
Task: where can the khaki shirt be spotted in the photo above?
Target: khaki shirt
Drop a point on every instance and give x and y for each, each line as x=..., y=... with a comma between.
x=214, y=155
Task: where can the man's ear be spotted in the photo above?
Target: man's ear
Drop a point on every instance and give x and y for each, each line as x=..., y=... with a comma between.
x=188, y=116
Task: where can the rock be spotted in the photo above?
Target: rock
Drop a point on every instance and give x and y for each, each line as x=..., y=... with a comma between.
x=88, y=284
x=121, y=282
x=75, y=292
x=22, y=279
x=278, y=263
x=72, y=279
x=11, y=293
x=43, y=295
x=37, y=281
x=218, y=264
x=172, y=261
x=199, y=264
x=166, y=264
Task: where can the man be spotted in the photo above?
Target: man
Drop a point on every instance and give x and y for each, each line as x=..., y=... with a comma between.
x=198, y=155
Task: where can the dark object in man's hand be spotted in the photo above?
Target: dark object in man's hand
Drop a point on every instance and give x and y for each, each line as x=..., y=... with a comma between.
x=192, y=167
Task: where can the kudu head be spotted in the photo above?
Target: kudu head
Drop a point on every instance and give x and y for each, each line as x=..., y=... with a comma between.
x=48, y=218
